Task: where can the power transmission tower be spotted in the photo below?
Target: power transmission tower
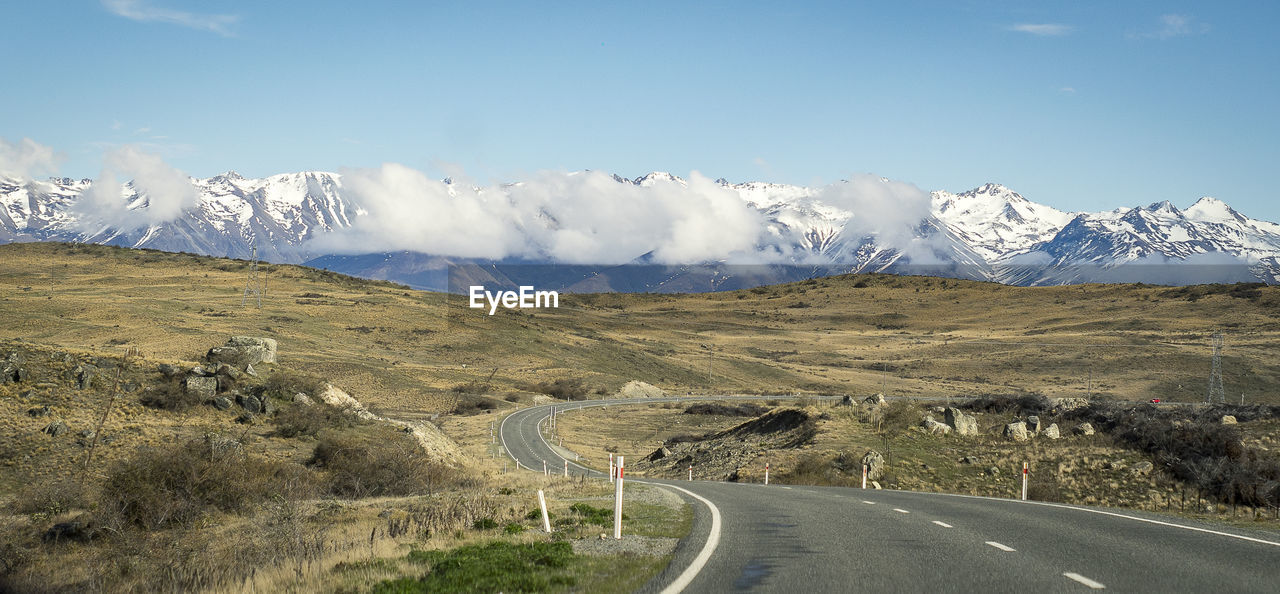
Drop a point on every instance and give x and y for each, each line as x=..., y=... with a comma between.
x=1216, y=394
x=253, y=286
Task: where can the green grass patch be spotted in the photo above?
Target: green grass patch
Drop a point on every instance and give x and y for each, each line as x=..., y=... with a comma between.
x=493, y=567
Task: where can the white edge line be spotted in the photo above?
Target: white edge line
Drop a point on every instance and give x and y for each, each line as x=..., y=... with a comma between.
x=1005, y=548
x=943, y=524
x=713, y=539
x=868, y=502
x=1084, y=580
x=900, y=510
x=1106, y=513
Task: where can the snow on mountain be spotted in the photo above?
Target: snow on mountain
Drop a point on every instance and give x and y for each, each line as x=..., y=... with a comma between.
x=989, y=233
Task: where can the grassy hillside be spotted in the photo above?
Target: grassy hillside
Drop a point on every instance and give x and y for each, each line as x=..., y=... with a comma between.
x=403, y=351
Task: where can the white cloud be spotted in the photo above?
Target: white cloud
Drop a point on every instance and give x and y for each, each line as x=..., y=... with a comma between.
x=143, y=11
x=1042, y=29
x=1174, y=25
x=585, y=217
x=27, y=159
x=1067, y=90
x=160, y=193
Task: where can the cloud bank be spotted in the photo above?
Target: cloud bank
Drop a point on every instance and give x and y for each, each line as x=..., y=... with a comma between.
x=592, y=218
x=159, y=193
x=27, y=159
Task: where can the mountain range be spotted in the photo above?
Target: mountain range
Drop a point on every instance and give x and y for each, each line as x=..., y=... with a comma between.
x=987, y=233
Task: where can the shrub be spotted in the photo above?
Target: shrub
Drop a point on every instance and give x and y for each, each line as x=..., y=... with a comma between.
x=283, y=384
x=309, y=420
x=471, y=388
x=471, y=404
x=727, y=410
x=177, y=484
x=171, y=395
x=377, y=463
x=563, y=388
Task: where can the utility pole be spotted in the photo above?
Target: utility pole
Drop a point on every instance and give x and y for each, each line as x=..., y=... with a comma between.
x=1215, y=394
x=253, y=286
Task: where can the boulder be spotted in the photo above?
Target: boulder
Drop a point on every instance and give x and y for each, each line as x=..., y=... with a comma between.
x=1142, y=468
x=935, y=427
x=658, y=454
x=38, y=411
x=877, y=400
x=204, y=387
x=1017, y=431
x=1052, y=431
x=250, y=371
x=969, y=460
x=55, y=429
x=254, y=405
x=847, y=400
x=302, y=399
x=1068, y=404
x=168, y=370
x=220, y=403
x=875, y=465
x=225, y=370
x=82, y=375
x=1084, y=429
x=962, y=423
x=244, y=350
x=1228, y=419
x=1033, y=424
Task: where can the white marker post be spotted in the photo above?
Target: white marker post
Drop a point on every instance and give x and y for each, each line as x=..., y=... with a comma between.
x=566, y=469
x=617, y=504
x=612, y=475
x=542, y=503
x=544, y=469
x=690, y=472
x=864, y=476
x=766, y=473
x=1024, y=481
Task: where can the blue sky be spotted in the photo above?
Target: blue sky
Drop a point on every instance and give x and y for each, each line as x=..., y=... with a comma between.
x=1082, y=105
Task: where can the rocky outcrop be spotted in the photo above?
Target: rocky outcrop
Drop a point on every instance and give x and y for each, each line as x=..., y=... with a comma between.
x=638, y=389
x=243, y=351
x=1052, y=431
x=962, y=423
x=202, y=386
x=936, y=428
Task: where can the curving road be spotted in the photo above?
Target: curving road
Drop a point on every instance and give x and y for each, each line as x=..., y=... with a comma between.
x=833, y=539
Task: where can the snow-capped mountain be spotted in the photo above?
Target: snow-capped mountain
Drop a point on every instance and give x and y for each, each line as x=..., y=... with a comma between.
x=988, y=233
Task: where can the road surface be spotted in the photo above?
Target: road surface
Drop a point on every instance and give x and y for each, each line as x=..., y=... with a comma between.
x=751, y=537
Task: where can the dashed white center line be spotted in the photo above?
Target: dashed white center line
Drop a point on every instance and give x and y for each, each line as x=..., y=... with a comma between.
x=1004, y=548
x=900, y=510
x=941, y=523
x=869, y=502
x=1084, y=580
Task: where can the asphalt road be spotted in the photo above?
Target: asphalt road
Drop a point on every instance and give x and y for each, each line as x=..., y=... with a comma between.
x=831, y=539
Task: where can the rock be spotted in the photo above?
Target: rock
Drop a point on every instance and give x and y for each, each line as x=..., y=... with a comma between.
x=846, y=401
x=204, y=387
x=1016, y=431
x=875, y=465
x=83, y=376
x=38, y=411
x=991, y=471
x=254, y=405
x=244, y=350
x=8, y=374
x=333, y=396
x=1033, y=424
x=1142, y=468
x=245, y=419
x=962, y=423
x=1052, y=431
x=250, y=371
x=303, y=399
x=658, y=454
x=1084, y=429
x=970, y=460
x=877, y=400
x=220, y=403
x=55, y=429
x=1068, y=404
x=168, y=370
x=874, y=485
x=1228, y=419
x=936, y=428
x=225, y=370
